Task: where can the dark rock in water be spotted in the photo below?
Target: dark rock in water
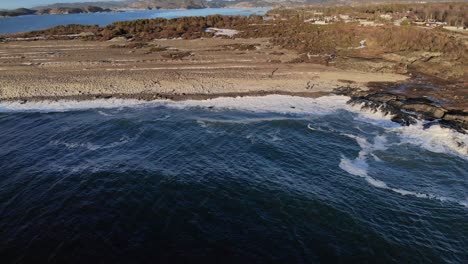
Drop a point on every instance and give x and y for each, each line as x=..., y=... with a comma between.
x=101, y=96
x=428, y=110
x=406, y=111
x=458, y=117
x=404, y=119
x=382, y=103
x=381, y=97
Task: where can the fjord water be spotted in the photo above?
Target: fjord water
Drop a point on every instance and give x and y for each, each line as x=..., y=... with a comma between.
x=36, y=22
x=256, y=179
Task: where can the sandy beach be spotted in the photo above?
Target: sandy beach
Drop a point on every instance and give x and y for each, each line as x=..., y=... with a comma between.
x=174, y=69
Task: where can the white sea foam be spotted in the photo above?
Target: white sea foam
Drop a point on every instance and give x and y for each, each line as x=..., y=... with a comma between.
x=249, y=120
x=264, y=104
x=375, y=117
x=375, y=157
x=202, y=123
x=356, y=167
x=320, y=129
x=104, y=113
x=309, y=126
x=273, y=136
x=91, y=146
x=359, y=167
x=273, y=103
x=435, y=138
x=464, y=203
x=65, y=105
x=69, y=145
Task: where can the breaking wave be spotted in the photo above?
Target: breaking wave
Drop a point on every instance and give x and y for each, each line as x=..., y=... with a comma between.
x=435, y=139
x=359, y=167
x=91, y=146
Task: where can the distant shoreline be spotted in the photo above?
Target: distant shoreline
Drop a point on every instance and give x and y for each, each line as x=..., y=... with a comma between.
x=27, y=23
x=37, y=12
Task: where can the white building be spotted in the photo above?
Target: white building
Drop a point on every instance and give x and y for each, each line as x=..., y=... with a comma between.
x=386, y=16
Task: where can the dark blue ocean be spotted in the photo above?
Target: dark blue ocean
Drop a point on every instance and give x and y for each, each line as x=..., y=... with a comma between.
x=273, y=179
x=36, y=22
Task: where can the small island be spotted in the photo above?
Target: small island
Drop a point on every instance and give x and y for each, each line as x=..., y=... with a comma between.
x=53, y=11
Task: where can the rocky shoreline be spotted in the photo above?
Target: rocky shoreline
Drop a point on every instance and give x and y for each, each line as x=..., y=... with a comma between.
x=51, y=70
x=406, y=110
x=159, y=96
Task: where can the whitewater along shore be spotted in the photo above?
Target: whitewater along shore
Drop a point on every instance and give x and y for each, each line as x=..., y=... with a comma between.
x=180, y=69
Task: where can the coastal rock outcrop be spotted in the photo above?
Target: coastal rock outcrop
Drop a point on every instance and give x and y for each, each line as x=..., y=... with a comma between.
x=406, y=110
x=458, y=117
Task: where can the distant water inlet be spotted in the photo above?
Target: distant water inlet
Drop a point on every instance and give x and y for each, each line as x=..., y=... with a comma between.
x=252, y=179
x=36, y=22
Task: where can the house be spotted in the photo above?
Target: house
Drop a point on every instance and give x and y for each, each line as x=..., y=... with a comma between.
x=321, y=22
x=434, y=23
x=330, y=19
x=344, y=17
x=317, y=21
x=311, y=20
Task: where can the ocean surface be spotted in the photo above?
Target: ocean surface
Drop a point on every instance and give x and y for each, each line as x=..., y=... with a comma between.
x=37, y=22
x=255, y=179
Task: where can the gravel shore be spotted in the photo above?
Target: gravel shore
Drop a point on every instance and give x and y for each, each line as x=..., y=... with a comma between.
x=174, y=69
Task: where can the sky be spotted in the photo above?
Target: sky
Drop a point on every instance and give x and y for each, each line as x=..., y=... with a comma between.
x=10, y=4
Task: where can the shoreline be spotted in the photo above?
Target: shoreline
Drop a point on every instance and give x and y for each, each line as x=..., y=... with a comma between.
x=121, y=10
x=148, y=97
x=177, y=69
x=402, y=110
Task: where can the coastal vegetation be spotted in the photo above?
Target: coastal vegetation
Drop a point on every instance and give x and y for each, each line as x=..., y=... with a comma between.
x=452, y=13
x=338, y=38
